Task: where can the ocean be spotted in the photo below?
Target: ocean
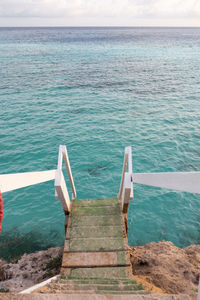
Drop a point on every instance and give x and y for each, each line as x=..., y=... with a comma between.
x=97, y=90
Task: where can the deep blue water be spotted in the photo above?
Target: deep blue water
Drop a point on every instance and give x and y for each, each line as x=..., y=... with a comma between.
x=97, y=90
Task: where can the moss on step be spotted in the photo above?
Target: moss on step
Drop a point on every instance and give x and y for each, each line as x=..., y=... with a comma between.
x=96, y=244
x=64, y=280
x=104, y=272
x=102, y=286
x=95, y=211
x=94, y=221
x=95, y=202
x=96, y=231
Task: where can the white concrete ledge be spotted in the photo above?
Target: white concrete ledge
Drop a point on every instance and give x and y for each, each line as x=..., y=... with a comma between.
x=96, y=297
x=39, y=285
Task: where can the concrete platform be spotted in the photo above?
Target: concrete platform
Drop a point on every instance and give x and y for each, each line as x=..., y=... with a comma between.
x=93, y=297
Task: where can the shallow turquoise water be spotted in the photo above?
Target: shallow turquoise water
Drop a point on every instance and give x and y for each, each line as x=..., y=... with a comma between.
x=97, y=90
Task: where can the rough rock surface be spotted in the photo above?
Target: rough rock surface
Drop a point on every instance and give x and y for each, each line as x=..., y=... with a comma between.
x=30, y=269
x=172, y=269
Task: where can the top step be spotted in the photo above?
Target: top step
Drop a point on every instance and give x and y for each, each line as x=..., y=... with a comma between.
x=95, y=202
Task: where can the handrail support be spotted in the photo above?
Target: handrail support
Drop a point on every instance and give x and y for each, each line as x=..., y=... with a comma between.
x=61, y=191
x=126, y=186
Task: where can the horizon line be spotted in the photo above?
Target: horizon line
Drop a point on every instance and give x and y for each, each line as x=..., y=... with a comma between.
x=98, y=26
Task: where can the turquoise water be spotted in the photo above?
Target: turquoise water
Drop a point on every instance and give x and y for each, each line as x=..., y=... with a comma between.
x=97, y=90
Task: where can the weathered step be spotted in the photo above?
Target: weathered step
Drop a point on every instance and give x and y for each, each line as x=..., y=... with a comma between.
x=65, y=286
x=95, y=202
x=94, y=259
x=95, y=211
x=96, y=231
x=64, y=280
x=92, y=291
x=114, y=292
x=97, y=287
x=98, y=272
x=95, y=244
x=120, y=287
x=94, y=221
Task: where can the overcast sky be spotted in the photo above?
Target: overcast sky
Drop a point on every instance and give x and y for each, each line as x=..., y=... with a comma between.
x=99, y=12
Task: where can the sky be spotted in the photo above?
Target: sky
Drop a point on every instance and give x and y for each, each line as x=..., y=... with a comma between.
x=99, y=12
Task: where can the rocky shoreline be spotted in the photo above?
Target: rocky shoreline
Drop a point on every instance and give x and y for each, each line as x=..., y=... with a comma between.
x=166, y=267
x=29, y=269
x=161, y=267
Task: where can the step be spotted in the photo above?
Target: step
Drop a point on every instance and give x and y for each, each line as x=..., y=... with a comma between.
x=98, y=272
x=97, y=287
x=64, y=279
x=95, y=202
x=94, y=259
x=95, y=244
x=95, y=211
x=94, y=221
x=99, y=292
x=96, y=231
x=113, y=292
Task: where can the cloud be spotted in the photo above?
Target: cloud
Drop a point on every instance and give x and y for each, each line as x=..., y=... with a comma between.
x=37, y=8
x=64, y=8
x=176, y=8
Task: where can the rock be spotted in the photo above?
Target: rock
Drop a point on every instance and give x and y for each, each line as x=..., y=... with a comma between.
x=30, y=269
x=4, y=274
x=172, y=269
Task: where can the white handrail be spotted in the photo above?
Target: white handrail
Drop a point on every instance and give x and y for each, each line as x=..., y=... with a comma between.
x=67, y=164
x=61, y=191
x=130, y=165
x=126, y=186
x=10, y=182
x=123, y=174
x=180, y=181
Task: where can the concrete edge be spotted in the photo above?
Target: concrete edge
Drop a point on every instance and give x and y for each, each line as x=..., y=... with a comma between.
x=39, y=285
x=37, y=296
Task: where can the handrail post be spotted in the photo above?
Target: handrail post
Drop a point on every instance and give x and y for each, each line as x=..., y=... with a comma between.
x=61, y=191
x=126, y=187
x=126, y=195
x=123, y=175
x=67, y=164
x=130, y=166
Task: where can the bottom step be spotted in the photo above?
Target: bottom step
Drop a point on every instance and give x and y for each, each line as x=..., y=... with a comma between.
x=72, y=286
x=98, y=272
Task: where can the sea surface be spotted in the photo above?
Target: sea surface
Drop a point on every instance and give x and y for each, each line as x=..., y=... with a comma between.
x=97, y=90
